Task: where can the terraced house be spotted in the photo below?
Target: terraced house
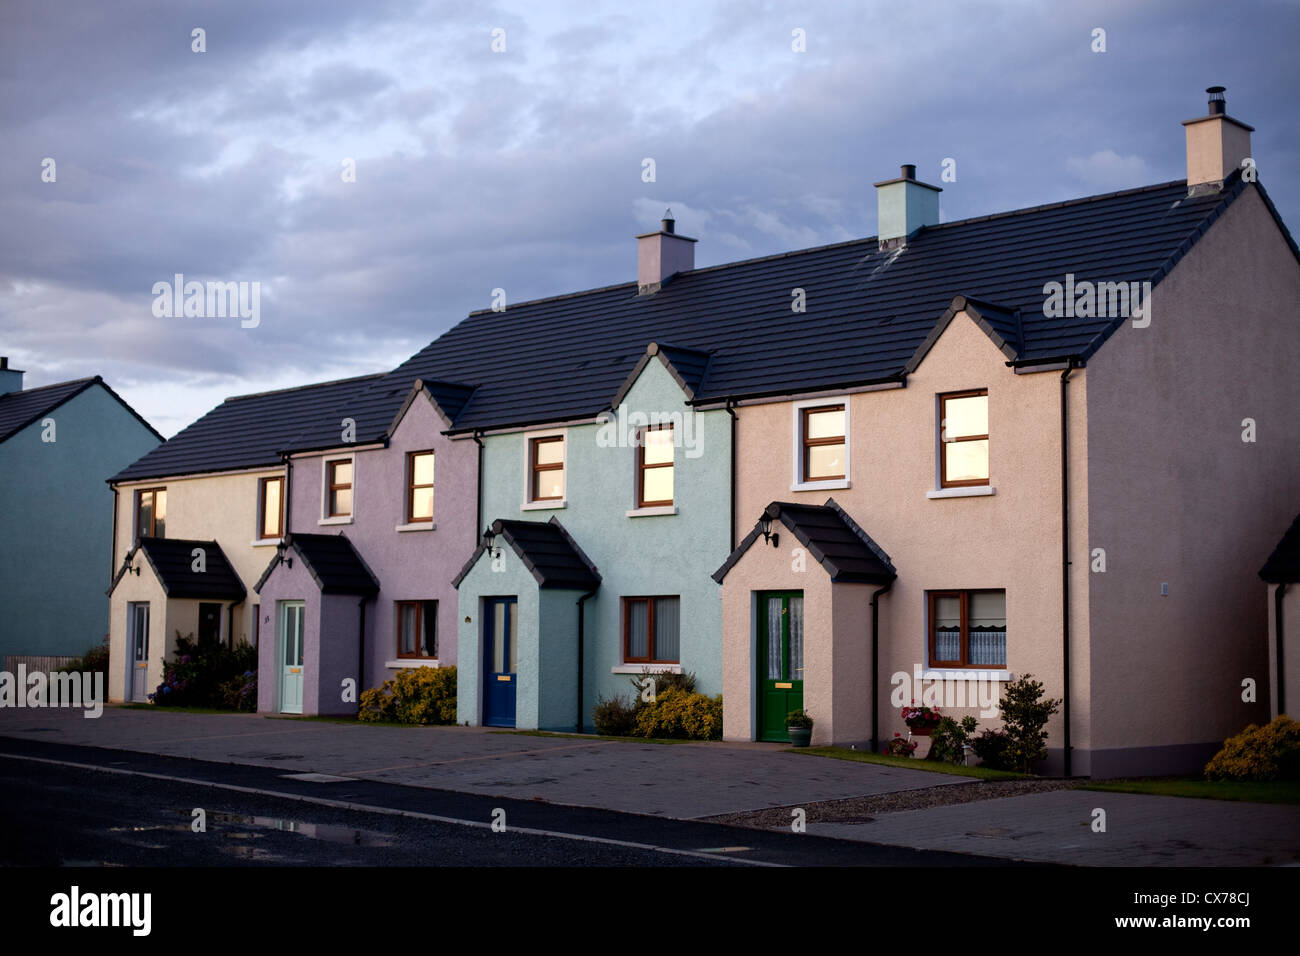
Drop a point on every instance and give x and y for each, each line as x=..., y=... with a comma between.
x=1055, y=441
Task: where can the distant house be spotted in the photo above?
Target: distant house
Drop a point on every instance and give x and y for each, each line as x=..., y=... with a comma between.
x=57, y=445
x=1282, y=572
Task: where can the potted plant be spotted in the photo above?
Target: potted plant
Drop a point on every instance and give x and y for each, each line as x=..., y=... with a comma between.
x=899, y=747
x=799, y=726
x=921, y=720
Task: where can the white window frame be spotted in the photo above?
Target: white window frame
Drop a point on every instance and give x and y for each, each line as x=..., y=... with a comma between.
x=550, y=504
x=796, y=457
x=325, y=490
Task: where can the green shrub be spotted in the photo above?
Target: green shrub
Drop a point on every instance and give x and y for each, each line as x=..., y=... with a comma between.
x=197, y=674
x=419, y=695
x=993, y=747
x=799, y=718
x=948, y=739
x=1271, y=752
x=614, y=717
x=1024, y=715
x=678, y=714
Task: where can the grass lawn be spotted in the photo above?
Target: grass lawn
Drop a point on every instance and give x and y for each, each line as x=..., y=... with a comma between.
x=1275, y=791
x=911, y=763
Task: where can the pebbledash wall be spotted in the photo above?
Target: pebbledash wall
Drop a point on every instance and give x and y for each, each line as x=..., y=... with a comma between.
x=412, y=562
x=1008, y=540
x=653, y=555
x=56, y=501
x=1180, y=499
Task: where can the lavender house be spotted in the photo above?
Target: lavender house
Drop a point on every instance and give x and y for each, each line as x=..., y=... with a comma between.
x=382, y=510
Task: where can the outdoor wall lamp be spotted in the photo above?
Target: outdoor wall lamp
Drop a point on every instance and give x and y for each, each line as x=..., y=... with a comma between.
x=489, y=542
x=134, y=570
x=765, y=525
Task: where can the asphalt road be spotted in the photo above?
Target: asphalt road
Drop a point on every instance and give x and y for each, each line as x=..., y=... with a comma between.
x=67, y=805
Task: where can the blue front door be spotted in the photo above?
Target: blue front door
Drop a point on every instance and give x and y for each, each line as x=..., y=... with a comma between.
x=500, y=617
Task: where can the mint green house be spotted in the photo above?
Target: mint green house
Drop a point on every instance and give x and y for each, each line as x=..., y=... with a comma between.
x=594, y=564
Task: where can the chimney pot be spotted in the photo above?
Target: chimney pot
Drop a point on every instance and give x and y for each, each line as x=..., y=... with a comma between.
x=1216, y=145
x=661, y=255
x=904, y=206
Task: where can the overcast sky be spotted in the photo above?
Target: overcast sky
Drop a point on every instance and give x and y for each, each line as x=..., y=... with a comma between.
x=523, y=168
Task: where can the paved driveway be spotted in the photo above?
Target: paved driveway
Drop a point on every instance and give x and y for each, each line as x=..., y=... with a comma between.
x=678, y=780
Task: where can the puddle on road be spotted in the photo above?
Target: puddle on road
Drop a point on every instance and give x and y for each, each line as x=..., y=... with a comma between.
x=314, y=831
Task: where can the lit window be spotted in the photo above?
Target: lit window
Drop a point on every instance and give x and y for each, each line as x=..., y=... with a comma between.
x=338, y=493
x=151, y=513
x=419, y=486
x=546, y=460
x=655, y=466
x=964, y=439
x=270, y=507
x=824, y=443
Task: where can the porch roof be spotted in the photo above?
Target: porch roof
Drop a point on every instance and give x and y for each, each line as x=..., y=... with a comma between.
x=836, y=541
x=547, y=551
x=1283, y=565
x=331, y=560
x=172, y=561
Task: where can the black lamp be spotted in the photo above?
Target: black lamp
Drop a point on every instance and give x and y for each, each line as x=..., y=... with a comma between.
x=765, y=525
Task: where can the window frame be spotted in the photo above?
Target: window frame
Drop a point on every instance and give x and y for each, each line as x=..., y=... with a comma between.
x=649, y=600
x=807, y=444
x=534, y=442
x=642, y=467
x=944, y=398
x=328, y=487
x=420, y=615
x=964, y=640
x=412, y=487
x=153, y=512
x=260, y=534
x=798, y=469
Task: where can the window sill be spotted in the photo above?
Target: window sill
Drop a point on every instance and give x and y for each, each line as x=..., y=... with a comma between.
x=972, y=491
x=830, y=484
x=966, y=673
x=413, y=662
x=656, y=510
x=544, y=505
x=265, y=542
x=641, y=668
x=343, y=519
x=416, y=526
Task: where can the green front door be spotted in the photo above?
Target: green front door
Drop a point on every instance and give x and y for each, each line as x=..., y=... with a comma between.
x=780, y=661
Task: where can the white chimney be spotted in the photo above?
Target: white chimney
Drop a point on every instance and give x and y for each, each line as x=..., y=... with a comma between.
x=1216, y=144
x=903, y=206
x=11, y=379
x=662, y=254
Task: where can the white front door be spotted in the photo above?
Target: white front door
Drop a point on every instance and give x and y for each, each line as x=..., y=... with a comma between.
x=137, y=658
x=291, y=655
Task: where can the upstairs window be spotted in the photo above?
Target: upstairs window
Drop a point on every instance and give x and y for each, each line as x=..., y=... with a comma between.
x=151, y=513
x=968, y=629
x=655, y=466
x=824, y=443
x=546, y=468
x=419, y=486
x=338, y=488
x=964, y=439
x=270, y=508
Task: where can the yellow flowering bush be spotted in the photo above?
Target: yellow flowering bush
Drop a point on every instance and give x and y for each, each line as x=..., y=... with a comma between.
x=421, y=695
x=676, y=713
x=1271, y=752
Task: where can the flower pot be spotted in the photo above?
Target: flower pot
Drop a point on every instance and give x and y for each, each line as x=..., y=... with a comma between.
x=799, y=736
x=922, y=730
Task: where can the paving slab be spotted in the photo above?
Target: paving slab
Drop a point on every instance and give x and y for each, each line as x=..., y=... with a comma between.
x=1057, y=827
x=684, y=781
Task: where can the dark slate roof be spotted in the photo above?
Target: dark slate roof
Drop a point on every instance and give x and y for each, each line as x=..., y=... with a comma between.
x=687, y=367
x=22, y=408
x=1283, y=565
x=868, y=312
x=250, y=431
x=547, y=550
x=172, y=560
x=330, y=559
x=835, y=541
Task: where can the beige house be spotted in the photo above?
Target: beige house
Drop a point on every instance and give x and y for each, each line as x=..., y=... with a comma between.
x=216, y=494
x=1071, y=476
